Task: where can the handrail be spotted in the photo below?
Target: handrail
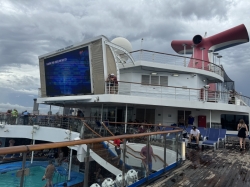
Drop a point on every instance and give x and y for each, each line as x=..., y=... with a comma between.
x=174, y=56
x=176, y=87
x=114, y=144
x=154, y=154
x=129, y=146
x=26, y=148
x=107, y=129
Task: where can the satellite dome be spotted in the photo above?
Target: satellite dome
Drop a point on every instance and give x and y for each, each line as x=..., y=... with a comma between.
x=123, y=42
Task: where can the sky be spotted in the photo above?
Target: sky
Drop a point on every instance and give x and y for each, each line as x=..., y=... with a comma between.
x=32, y=28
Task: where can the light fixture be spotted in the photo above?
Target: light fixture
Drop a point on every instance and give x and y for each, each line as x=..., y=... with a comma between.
x=2, y=126
x=36, y=127
x=204, y=80
x=175, y=75
x=153, y=73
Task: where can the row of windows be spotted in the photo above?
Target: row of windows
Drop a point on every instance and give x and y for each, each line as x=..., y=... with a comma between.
x=154, y=80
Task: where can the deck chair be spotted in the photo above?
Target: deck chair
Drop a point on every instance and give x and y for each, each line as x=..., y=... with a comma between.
x=212, y=138
x=222, y=136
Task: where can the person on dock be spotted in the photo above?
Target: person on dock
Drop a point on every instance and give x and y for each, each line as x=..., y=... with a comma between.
x=242, y=133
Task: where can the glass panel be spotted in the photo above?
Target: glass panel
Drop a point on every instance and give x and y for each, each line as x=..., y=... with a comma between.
x=155, y=80
x=164, y=80
x=145, y=79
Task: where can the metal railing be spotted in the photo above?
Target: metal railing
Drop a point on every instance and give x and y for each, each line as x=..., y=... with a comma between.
x=165, y=58
x=133, y=163
x=171, y=92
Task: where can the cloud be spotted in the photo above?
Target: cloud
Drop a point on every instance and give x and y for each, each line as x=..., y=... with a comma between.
x=31, y=29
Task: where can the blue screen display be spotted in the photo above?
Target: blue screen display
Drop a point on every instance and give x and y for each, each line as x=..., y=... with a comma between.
x=68, y=73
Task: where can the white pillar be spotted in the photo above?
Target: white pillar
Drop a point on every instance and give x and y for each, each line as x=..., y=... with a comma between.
x=202, y=56
x=32, y=153
x=101, y=112
x=219, y=58
x=215, y=54
x=70, y=164
x=184, y=45
x=193, y=46
x=126, y=116
x=210, y=120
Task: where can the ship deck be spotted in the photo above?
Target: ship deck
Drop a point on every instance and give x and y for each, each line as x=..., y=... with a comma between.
x=223, y=167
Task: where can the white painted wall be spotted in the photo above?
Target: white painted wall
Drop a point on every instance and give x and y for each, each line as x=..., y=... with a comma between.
x=50, y=134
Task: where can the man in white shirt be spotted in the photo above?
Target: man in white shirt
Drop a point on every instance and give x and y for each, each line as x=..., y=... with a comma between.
x=194, y=134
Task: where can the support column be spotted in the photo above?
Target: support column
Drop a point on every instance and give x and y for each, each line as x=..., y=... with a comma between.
x=124, y=163
x=32, y=153
x=193, y=46
x=23, y=169
x=184, y=45
x=202, y=56
x=101, y=112
x=70, y=164
x=210, y=120
x=165, y=148
x=126, y=117
x=147, y=156
x=86, y=174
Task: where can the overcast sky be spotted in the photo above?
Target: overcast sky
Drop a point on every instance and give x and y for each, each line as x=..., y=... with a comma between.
x=31, y=28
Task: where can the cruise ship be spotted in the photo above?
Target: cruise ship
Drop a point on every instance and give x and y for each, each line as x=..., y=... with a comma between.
x=148, y=97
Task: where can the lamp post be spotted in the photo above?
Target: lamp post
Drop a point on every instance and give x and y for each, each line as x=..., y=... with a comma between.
x=219, y=56
x=210, y=52
x=141, y=49
x=215, y=54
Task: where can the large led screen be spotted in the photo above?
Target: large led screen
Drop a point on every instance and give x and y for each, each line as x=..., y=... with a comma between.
x=68, y=73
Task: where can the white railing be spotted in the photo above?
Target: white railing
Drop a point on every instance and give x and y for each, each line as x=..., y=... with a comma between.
x=171, y=92
x=145, y=55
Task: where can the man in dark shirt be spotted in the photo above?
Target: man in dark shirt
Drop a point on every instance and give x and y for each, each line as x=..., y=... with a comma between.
x=190, y=120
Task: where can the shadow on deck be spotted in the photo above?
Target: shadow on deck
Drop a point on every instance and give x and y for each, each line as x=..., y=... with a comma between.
x=227, y=166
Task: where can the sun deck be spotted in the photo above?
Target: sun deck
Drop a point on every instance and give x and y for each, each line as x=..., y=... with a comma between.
x=223, y=167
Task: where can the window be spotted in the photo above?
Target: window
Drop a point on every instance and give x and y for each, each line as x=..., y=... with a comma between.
x=154, y=80
x=164, y=80
x=145, y=79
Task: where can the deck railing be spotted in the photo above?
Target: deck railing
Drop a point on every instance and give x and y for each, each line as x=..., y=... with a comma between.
x=177, y=60
x=171, y=152
x=178, y=93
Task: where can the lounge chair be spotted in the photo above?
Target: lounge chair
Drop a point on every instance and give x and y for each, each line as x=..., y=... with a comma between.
x=222, y=136
x=212, y=138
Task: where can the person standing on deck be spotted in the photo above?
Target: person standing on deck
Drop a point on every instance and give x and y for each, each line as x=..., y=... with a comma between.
x=242, y=133
x=117, y=143
x=147, y=153
x=25, y=117
x=190, y=120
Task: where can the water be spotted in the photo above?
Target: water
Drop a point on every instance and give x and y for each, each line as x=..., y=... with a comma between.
x=34, y=179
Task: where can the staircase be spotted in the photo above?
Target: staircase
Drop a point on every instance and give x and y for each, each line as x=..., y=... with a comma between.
x=99, y=149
